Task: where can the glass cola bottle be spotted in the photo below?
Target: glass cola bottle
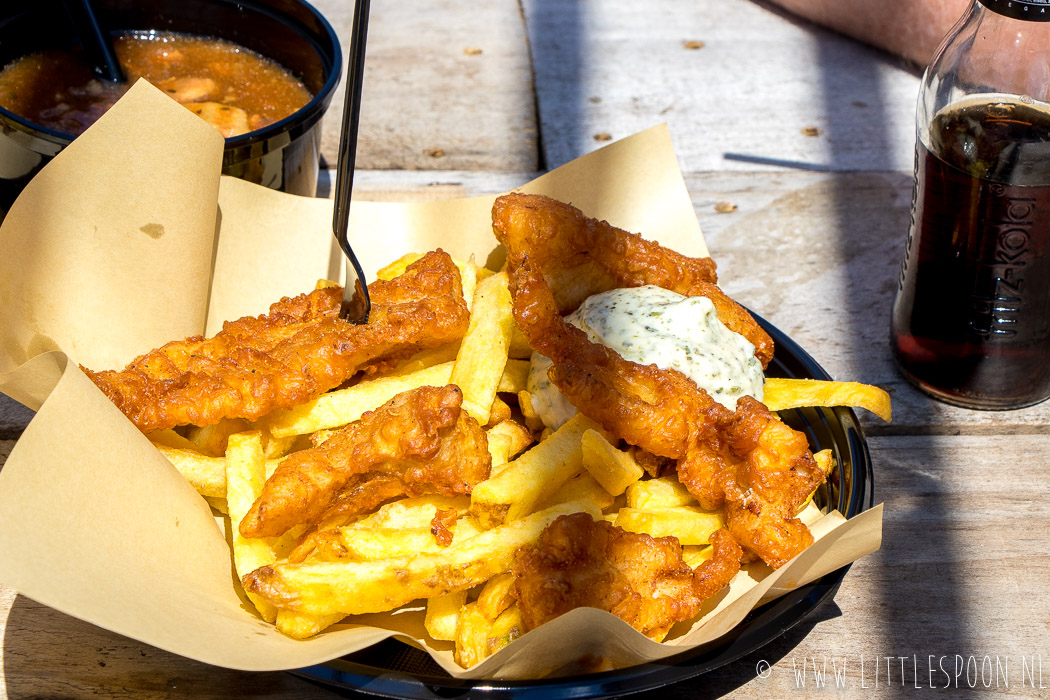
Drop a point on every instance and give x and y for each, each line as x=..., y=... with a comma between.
x=971, y=318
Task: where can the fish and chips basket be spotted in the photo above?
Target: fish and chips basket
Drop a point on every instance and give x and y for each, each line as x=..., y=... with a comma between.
x=123, y=244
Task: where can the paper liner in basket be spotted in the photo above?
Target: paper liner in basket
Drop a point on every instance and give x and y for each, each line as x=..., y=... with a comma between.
x=130, y=238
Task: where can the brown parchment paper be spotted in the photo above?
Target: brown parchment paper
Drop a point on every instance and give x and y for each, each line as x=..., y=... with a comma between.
x=130, y=238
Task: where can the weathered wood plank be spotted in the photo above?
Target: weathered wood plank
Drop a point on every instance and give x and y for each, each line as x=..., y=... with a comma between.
x=447, y=85
x=741, y=101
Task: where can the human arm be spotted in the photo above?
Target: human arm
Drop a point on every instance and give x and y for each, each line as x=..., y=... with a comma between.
x=909, y=28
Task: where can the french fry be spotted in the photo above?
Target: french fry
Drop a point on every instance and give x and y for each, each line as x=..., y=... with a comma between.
x=581, y=488
x=695, y=555
x=781, y=394
x=689, y=524
x=398, y=267
x=245, y=477
x=495, y=596
x=284, y=545
x=472, y=631
x=665, y=492
x=359, y=544
x=810, y=514
x=499, y=412
x=169, y=438
x=211, y=439
x=442, y=615
x=277, y=447
x=515, y=376
x=614, y=469
x=218, y=504
x=468, y=277
x=412, y=512
x=337, y=408
x=532, y=419
x=652, y=464
x=483, y=354
x=505, y=440
x=349, y=543
x=519, y=344
x=206, y=474
x=826, y=462
x=533, y=477
x=375, y=586
x=505, y=629
x=477, y=638
x=301, y=626
x=423, y=359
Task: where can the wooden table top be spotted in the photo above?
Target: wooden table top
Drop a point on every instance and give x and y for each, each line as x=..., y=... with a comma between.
x=810, y=137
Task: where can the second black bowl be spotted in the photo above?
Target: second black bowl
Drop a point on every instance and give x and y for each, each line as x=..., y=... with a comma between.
x=284, y=155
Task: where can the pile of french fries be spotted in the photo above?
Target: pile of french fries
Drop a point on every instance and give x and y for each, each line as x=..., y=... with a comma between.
x=395, y=555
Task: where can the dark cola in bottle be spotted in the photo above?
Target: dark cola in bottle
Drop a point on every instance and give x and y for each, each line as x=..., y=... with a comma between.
x=971, y=320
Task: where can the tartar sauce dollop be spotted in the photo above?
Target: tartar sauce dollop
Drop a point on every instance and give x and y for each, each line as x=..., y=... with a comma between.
x=652, y=325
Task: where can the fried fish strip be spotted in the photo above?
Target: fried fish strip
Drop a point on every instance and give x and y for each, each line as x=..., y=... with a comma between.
x=421, y=441
x=580, y=562
x=747, y=459
x=658, y=410
x=580, y=257
x=762, y=471
x=292, y=355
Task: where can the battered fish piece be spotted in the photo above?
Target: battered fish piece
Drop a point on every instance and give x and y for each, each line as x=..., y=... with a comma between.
x=580, y=257
x=421, y=441
x=747, y=460
x=661, y=411
x=292, y=355
x=774, y=477
x=580, y=562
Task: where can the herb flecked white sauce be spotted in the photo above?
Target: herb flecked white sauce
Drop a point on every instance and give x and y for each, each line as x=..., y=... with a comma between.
x=653, y=326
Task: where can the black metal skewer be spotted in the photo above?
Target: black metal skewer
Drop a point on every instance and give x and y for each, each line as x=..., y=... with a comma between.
x=356, y=304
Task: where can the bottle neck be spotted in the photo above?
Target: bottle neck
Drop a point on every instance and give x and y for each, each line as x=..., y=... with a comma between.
x=1028, y=10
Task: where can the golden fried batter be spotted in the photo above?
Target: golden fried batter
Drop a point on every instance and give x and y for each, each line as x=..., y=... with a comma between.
x=580, y=257
x=774, y=478
x=421, y=441
x=747, y=459
x=658, y=410
x=293, y=354
x=580, y=562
